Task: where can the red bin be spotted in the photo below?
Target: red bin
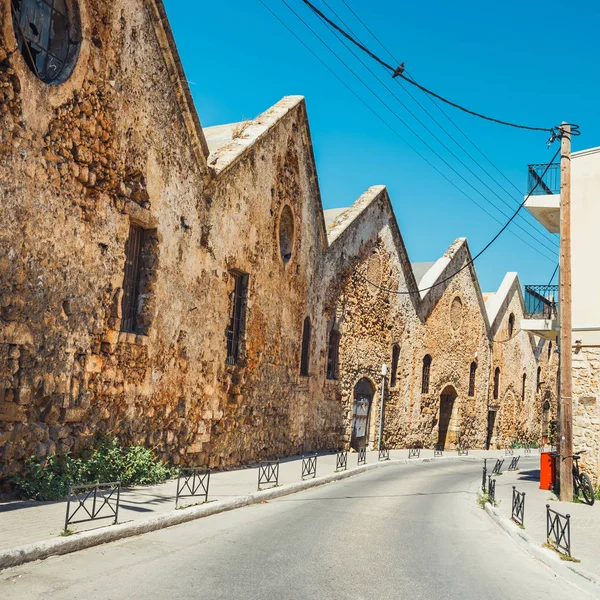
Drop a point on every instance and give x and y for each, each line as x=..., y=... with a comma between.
x=547, y=465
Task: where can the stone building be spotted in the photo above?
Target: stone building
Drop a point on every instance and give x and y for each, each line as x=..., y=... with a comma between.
x=178, y=287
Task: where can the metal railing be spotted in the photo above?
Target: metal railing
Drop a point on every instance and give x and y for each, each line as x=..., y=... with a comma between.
x=498, y=466
x=514, y=463
x=309, y=466
x=462, y=450
x=192, y=482
x=484, y=476
x=518, y=507
x=438, y=450
x=547, y=183
x=362, y=456
x=492, y=490
x=384, y=453
x=96, y=500
x=509, y=451
x=341, y=460
x=268, y=473
x=526, y=449
x=558, y=530
x=541, y=301
x=414, y=452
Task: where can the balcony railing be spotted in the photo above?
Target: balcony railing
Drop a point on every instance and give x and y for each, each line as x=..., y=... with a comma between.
x=541, y=301
x=547, y=183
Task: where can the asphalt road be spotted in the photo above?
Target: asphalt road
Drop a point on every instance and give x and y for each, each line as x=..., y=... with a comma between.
x=401, y=532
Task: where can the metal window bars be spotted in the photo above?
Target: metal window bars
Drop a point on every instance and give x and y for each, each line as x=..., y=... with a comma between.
x=384, y=453
x=192, y=482
x=558, y=530
x=498, y=466
x=362, y=456
x=96, y=500
x=414, y=452
x=491, y=489
x=268, y=473
x=309, y=466
x=341, y=460
x=438, y=450
x=518, y=507
x=514, y=463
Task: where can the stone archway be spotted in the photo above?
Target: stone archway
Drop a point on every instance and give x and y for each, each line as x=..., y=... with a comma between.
x=448, y=429
x=364, y=392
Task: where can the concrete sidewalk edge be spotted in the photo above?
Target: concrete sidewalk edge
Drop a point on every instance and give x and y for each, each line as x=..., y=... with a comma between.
x=572, y=572
x=86, y=539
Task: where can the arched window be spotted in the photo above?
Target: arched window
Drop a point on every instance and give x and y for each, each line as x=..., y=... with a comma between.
x=305, y=357
x=538, y=383
x=333, y=353
x=425, y=374
x=395, y=357
x=472, y=373
x=511, y=325
x=286, y=234
x=523, y=388
x=496, y=383
x=549, y=351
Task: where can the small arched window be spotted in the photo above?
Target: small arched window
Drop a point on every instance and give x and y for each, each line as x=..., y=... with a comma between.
x=538, y=383
x=511, y=325
x=305, y=356
x=395, y=358
x=523, y=388
x=496, y=383
x=549, y=351
x=472, y=374
x=425, y=374
x=333, y=353
x=286, y=234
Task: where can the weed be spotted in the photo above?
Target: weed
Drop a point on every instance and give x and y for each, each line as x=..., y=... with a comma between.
x=239, y=129
x=66, y=533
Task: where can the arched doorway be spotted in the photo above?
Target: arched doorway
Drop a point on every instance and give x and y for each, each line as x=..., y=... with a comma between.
x=361, y=413
x=448, y=429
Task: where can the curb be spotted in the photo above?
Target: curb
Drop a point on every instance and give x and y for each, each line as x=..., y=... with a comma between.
x=585, y=580
x=87, y=539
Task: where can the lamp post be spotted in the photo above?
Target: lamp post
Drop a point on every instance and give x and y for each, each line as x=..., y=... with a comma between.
x=382, y=403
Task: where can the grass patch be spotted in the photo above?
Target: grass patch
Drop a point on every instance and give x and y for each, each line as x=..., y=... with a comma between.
x=483, y=498
x=66, y=533
x=563, y=556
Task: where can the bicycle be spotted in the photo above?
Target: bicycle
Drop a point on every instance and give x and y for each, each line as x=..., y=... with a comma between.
x=582, y=482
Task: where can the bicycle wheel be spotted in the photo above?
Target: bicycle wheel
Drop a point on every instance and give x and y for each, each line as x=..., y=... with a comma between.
x=585, y=485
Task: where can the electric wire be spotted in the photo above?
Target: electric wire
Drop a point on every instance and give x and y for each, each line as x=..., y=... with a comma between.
x=533, y=222
x=541, y=240
x=536, y=249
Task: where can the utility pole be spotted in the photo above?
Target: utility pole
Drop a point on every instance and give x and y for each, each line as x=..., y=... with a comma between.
x=382, y=404
x=566, y=383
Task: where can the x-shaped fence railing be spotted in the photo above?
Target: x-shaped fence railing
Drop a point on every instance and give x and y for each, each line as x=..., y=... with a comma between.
x=492, y=489
x=558, y=530
x=509, y=451
x=518, y=507
x=309, y=466
x=192, y=482
x=384, y=453
x=341, y=460
x=463, y=451
x=438, y=450
x=514, y=463
x=362, y=456
x=526, y=449
x=498, y=466
x=268, y=473
x=97, y=501
x=414, y=452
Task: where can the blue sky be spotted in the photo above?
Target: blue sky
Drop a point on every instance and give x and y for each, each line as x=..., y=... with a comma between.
x=502, y=59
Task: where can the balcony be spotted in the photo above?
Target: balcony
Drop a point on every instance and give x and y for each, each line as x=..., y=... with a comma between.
x=544, y=199
x=541, y=311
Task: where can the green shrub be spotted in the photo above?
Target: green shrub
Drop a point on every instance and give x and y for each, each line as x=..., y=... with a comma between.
x=103, y=462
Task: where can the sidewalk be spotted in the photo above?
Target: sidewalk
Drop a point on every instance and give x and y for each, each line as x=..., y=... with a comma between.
x=585, y=520
x=27, y=522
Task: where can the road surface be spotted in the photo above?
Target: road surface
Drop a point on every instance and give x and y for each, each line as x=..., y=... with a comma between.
x=400, y=532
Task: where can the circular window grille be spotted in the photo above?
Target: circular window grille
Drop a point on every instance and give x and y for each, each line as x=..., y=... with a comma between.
x=456, y=313
x=43, y=31
x=286, y=234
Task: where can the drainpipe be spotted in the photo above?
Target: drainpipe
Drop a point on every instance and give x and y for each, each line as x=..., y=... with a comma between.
x=382, y=404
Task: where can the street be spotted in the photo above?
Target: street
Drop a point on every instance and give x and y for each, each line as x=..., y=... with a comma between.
x=405, y=531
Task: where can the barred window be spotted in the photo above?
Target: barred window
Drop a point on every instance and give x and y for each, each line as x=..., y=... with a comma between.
x=496, y=383
x=333, y=354
x=395, y=358
x=305, y=356
x=131, y=281
x=237, y=321
x=472, y=373
x=425, y=374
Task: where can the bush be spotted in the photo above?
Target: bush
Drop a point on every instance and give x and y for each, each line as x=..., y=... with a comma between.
x=104, y=462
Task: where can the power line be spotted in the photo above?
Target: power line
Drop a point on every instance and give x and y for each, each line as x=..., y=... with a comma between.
x=542, y=238
x=536, y=249
x=399, y=72
x=534, y=222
